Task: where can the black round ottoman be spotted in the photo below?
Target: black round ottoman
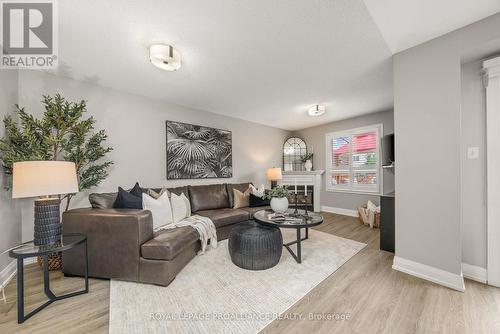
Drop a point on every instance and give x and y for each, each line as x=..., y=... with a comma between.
x=255, y=247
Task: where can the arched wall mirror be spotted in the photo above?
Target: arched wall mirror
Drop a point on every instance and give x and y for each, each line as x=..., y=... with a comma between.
x=293, y=150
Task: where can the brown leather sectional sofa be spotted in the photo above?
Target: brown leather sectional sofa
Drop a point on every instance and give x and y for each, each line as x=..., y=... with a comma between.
x=122, y=244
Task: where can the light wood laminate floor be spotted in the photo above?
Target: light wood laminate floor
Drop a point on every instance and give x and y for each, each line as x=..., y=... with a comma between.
x=375, y=298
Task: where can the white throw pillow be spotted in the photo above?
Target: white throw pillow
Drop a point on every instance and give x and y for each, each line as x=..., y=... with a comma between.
x=160, y=209
x=188, y=205
x=259, y=192
x=181, y=208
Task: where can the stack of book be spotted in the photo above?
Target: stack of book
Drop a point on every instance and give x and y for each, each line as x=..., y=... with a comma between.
x=282, y=217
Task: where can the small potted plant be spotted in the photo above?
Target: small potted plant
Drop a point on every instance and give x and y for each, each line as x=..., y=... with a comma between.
x=279, y=198
x=307, y=160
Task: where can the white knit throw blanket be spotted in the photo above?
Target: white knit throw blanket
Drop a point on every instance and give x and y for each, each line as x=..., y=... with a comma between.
x=205, y=228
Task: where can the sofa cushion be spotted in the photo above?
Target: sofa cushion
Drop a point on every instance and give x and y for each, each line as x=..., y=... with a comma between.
x=252, y=210
x=207, y=197
x=239, y=186
x=227, y=216
x=102, y=201
x=167, y=244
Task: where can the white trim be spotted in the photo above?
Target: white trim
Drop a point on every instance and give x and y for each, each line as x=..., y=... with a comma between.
x=379, y=127
x=360, y=192
x=475, y=273
x=492, y=69
x=10, y=270
x=7, y=273
x=6, y=276
x=340, y=211
x=436, y=275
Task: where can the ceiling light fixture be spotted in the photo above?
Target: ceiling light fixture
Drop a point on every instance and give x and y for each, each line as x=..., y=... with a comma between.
x=164, y=56
x=316, y=110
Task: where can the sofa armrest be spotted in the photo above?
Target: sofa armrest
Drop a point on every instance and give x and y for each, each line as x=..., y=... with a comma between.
x=114, y=239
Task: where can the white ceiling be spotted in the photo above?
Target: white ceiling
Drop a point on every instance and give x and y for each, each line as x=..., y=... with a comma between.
x=406, y=23
x=259, y=60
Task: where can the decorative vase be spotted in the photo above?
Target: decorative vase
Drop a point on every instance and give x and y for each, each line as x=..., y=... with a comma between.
x=308, y=165
x=279, y=205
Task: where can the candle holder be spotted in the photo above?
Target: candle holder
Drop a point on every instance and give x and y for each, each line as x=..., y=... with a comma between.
x=306, y=205
x=296, y=211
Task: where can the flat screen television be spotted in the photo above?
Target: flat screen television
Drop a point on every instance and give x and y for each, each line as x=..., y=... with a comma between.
x=388, y=150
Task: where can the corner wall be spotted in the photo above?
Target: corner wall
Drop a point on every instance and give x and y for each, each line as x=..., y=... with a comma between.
x=427, y=122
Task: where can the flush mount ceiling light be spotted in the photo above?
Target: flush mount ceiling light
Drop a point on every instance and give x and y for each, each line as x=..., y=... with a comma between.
x=165, y=57
x=316, y=110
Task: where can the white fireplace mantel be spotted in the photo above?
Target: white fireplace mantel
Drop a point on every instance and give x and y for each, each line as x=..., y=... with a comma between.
x=302, y=178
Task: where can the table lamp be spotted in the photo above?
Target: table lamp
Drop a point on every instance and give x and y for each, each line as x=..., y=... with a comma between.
x=274, y=175
x=44, y=179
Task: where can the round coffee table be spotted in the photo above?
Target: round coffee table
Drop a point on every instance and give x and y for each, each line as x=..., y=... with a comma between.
x=311, y=220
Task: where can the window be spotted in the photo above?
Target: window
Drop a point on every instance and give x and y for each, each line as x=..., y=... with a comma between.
x=353, y=160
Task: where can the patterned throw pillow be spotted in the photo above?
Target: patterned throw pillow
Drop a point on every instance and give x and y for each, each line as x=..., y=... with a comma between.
x=259, y=192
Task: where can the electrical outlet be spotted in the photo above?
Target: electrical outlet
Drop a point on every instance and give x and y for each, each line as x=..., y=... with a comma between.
x=472, y=153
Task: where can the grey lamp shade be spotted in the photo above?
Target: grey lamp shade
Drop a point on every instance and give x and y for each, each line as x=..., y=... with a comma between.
x=43, y=178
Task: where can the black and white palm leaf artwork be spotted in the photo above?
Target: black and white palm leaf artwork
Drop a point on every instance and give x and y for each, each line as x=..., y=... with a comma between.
x=198, y=152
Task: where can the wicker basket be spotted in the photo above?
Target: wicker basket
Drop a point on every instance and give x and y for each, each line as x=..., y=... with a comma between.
x=55, y=261
x=363, y=216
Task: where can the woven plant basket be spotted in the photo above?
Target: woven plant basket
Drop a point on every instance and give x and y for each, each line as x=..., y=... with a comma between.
x=55, y=261
x=363, y=216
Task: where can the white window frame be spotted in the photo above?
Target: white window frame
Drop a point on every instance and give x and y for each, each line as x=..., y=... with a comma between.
x=379, y=128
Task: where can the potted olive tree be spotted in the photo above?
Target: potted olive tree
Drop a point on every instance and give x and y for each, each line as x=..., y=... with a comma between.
x=279, y=198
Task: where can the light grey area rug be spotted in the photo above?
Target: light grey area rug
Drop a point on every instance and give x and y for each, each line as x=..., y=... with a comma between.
x=212, y=295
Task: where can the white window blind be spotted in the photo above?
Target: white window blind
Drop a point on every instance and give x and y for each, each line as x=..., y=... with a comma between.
x=353, y=160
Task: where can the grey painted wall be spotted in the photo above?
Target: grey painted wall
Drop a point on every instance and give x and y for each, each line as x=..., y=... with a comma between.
x=427, y=101
x=10, y=214
x=473, y=115
x=315, y=136
x=136, y=130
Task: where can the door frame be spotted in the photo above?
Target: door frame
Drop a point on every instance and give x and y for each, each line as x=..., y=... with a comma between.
x=492, y=83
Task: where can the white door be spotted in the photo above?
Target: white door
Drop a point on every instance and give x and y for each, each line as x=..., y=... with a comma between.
x=492, y=83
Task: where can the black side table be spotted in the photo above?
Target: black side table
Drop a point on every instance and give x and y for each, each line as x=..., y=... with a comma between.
x=29, y=249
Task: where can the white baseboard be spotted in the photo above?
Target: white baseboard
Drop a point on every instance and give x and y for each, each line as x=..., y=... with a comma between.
x=475, y=273
x=340, y=211
x=436, y=275
x=10, y=270
x=8, y=273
